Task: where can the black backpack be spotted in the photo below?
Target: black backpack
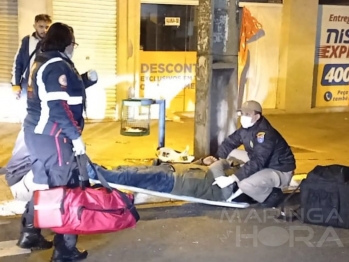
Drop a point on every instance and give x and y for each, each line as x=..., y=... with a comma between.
x=324, y=197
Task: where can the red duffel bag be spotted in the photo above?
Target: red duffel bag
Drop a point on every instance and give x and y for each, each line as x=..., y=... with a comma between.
x=84, y=210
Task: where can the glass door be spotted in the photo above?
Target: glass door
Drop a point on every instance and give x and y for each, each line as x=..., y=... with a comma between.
x=168, y=54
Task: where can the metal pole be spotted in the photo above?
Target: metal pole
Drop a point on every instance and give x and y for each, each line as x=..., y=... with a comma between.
x=162, y=121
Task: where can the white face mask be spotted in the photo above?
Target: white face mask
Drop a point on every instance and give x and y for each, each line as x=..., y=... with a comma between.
x=70, y=55
x=69, y=51
x=246, y=121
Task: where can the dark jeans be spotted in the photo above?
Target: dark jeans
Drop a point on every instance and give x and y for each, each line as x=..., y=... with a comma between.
x=190, y=179
x=50, y=158
x=155, y=178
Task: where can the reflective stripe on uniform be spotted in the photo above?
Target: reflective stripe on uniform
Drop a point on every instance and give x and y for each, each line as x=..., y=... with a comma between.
x=74, y=100
x=45, y=110
x=61, y=95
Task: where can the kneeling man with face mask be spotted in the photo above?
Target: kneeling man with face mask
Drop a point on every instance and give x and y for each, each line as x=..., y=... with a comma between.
x=269, y=161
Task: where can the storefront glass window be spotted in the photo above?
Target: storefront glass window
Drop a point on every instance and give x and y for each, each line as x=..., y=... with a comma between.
x=168, y=28
x=333, y=2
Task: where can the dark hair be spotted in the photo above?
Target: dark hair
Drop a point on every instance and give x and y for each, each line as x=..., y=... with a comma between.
x=71, y=29
x=57, y=38
x=43, y=17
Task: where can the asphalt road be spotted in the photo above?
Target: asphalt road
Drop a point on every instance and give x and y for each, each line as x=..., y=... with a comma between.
x=194, y=232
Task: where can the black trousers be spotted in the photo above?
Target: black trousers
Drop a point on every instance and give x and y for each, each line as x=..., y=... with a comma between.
x=50, y=157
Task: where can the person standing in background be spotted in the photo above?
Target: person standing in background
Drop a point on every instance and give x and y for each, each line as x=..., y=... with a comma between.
x=26, y=54
x=23, y=61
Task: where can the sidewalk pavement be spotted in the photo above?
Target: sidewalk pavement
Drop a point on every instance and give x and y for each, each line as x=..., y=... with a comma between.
x=316, y=139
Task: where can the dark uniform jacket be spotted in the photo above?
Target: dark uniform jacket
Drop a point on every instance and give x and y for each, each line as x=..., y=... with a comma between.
x=265, y=147
x=56, y=97
x=28, y=46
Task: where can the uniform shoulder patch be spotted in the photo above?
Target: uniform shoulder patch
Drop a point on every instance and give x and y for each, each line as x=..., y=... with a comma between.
x=260, y=137
x=62, y=80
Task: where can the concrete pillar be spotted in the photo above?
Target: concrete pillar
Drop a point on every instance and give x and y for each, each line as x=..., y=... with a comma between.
x=203, y=78
x=128, y=47
x=27, y=10
x=216, y=88
x=297, y=52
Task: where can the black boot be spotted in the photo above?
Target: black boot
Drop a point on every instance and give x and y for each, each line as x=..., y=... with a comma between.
x=31, y=238
x=274, y=199
x=68, y=255
x=65, y=249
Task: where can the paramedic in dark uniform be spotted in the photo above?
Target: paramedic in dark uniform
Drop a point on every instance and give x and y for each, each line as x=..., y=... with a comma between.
x=52, y=129
x=269, y=161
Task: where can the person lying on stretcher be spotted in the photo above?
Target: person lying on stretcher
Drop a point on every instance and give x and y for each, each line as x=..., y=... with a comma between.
x=194, y=180
x=198, y=179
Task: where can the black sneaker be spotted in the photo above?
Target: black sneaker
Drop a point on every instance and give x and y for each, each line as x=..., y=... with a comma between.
x=274, y=199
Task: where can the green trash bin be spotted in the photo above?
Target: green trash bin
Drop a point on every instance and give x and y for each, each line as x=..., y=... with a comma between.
x=135, y=117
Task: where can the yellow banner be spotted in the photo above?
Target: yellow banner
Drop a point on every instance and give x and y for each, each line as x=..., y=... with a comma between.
x=171, y=76
x=332, y=56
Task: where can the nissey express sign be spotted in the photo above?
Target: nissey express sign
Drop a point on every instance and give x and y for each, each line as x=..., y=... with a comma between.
x=332, y=57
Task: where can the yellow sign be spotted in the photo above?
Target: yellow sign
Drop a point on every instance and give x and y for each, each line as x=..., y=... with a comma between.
x=172, y=21
x=332, y=94
x=331, y=79
x=169, y=75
